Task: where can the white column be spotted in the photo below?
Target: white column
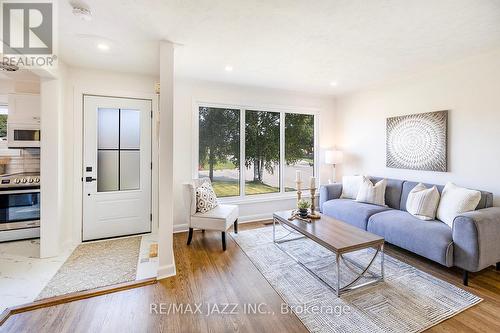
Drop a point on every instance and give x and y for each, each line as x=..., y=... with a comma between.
x=51, y=170
x=165, y=169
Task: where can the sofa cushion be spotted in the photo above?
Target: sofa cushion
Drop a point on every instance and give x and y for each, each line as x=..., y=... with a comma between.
x=456, y=200
x=485, y=202
x=372, y=193
x=430, y=239
x=350, y=211
x=423, y=202
x=220, y=218
x=350, y=186
x=392, y=191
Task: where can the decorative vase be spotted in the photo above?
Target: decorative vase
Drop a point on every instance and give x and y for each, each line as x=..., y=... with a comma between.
x=303, y=212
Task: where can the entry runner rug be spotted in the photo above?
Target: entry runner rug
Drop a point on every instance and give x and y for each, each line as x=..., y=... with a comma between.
x=95, y=265
x=409, y=300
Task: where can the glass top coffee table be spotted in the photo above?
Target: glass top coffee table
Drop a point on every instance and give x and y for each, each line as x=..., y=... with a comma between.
x=338, y=237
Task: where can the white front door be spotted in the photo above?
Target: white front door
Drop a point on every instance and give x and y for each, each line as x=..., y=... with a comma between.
x=116, y=167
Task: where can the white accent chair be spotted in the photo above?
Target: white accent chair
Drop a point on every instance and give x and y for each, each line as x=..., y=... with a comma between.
x=218, y=219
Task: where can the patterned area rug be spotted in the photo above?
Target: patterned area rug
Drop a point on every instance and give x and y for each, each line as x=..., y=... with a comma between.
x=95, y=265
x=409, y=300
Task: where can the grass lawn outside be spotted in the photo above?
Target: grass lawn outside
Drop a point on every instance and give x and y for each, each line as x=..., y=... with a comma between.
x=232, y=189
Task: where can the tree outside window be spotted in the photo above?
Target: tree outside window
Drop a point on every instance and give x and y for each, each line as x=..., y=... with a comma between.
x=299, y=149
x=262, y=152
x=219, y=150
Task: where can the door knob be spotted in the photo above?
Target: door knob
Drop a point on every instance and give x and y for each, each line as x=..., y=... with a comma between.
x=90, y=179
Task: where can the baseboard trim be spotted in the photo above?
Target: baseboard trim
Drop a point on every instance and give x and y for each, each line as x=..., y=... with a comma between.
x=52, y=301
x=166, y=271
x=242, y=219
x=180, y=228
x=255, y=218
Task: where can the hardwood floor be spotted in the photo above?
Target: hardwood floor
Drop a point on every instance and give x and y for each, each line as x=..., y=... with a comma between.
x=211, y=277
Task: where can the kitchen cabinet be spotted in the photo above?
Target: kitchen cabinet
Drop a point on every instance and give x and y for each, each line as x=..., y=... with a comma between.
x=24, y=109
x=23, y=121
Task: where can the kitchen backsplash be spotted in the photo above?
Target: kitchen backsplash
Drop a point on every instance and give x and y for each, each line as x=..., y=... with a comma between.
x=28, y=160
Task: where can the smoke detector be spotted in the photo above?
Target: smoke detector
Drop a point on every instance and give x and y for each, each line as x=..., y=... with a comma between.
x=6, y=67
x=83, y=13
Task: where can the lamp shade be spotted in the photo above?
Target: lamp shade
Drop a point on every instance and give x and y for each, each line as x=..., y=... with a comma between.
x=333, y=157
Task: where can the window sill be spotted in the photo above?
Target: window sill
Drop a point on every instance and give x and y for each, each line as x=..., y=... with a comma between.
x=258, y=198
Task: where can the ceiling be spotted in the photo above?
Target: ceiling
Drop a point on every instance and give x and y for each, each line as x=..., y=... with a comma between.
x=287, y=44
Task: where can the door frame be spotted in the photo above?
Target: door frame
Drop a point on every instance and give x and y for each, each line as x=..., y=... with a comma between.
x=78, y=137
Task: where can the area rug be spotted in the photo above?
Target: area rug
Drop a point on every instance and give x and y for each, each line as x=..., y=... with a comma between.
x=95, y=265
x=409, y=300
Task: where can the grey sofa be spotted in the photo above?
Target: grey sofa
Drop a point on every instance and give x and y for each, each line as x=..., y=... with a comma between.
x=472, y=244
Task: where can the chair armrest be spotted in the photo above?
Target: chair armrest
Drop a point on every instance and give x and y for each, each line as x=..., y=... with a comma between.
x=476, y=237
x=329, y=192
x=190, y=197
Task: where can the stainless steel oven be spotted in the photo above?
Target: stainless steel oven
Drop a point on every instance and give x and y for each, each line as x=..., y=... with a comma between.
x=19, y=207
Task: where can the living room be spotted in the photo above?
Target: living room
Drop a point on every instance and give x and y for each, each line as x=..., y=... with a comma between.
x=297, y=167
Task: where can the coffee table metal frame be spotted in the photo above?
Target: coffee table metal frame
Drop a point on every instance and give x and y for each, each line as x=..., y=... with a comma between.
x=365, y=273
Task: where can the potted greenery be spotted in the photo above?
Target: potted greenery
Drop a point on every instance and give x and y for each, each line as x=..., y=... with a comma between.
x=303, y=207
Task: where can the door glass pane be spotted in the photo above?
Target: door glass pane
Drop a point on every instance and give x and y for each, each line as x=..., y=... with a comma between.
x=130, y=129
x=219, y=149
x=262, y=152
x=107, y=170
x=299, y=149
x=130, y=173
x=107, y=128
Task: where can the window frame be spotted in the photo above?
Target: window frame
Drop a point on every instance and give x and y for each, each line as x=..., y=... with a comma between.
x=282, y=110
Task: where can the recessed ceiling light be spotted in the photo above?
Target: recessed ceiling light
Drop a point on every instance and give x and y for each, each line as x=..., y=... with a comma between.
x=103, y=47
x=333, y=83
x=228, y=68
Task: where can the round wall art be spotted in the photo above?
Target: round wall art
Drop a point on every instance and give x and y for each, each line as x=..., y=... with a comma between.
x=418, y=141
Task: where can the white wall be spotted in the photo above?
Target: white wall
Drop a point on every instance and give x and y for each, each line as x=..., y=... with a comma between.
x=188, y=92
x=82, y=80
x=470, y=89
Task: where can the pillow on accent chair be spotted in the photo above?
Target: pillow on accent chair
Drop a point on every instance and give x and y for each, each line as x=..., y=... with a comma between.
x=350, y=186
x=206, y=199
x=423, y=202
x=372, y=194
x=456, y=200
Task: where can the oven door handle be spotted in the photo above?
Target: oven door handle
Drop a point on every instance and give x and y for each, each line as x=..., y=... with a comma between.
x=20, y=191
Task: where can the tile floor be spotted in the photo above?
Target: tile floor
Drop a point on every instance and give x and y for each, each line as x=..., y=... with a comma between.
x=23, y=275
x=147, y=267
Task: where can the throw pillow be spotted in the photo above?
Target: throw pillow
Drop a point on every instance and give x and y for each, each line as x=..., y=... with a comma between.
x=423, y=202
x=373, y=194
x=350, y=186
x=206, y=199
x=456, y=200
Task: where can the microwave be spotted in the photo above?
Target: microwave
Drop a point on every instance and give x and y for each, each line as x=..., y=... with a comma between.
x=23, y=135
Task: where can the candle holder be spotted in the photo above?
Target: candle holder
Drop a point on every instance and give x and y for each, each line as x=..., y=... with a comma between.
x=313, y=214
x=299, y=192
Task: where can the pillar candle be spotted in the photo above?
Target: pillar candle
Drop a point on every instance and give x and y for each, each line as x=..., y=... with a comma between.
x=313, y=182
